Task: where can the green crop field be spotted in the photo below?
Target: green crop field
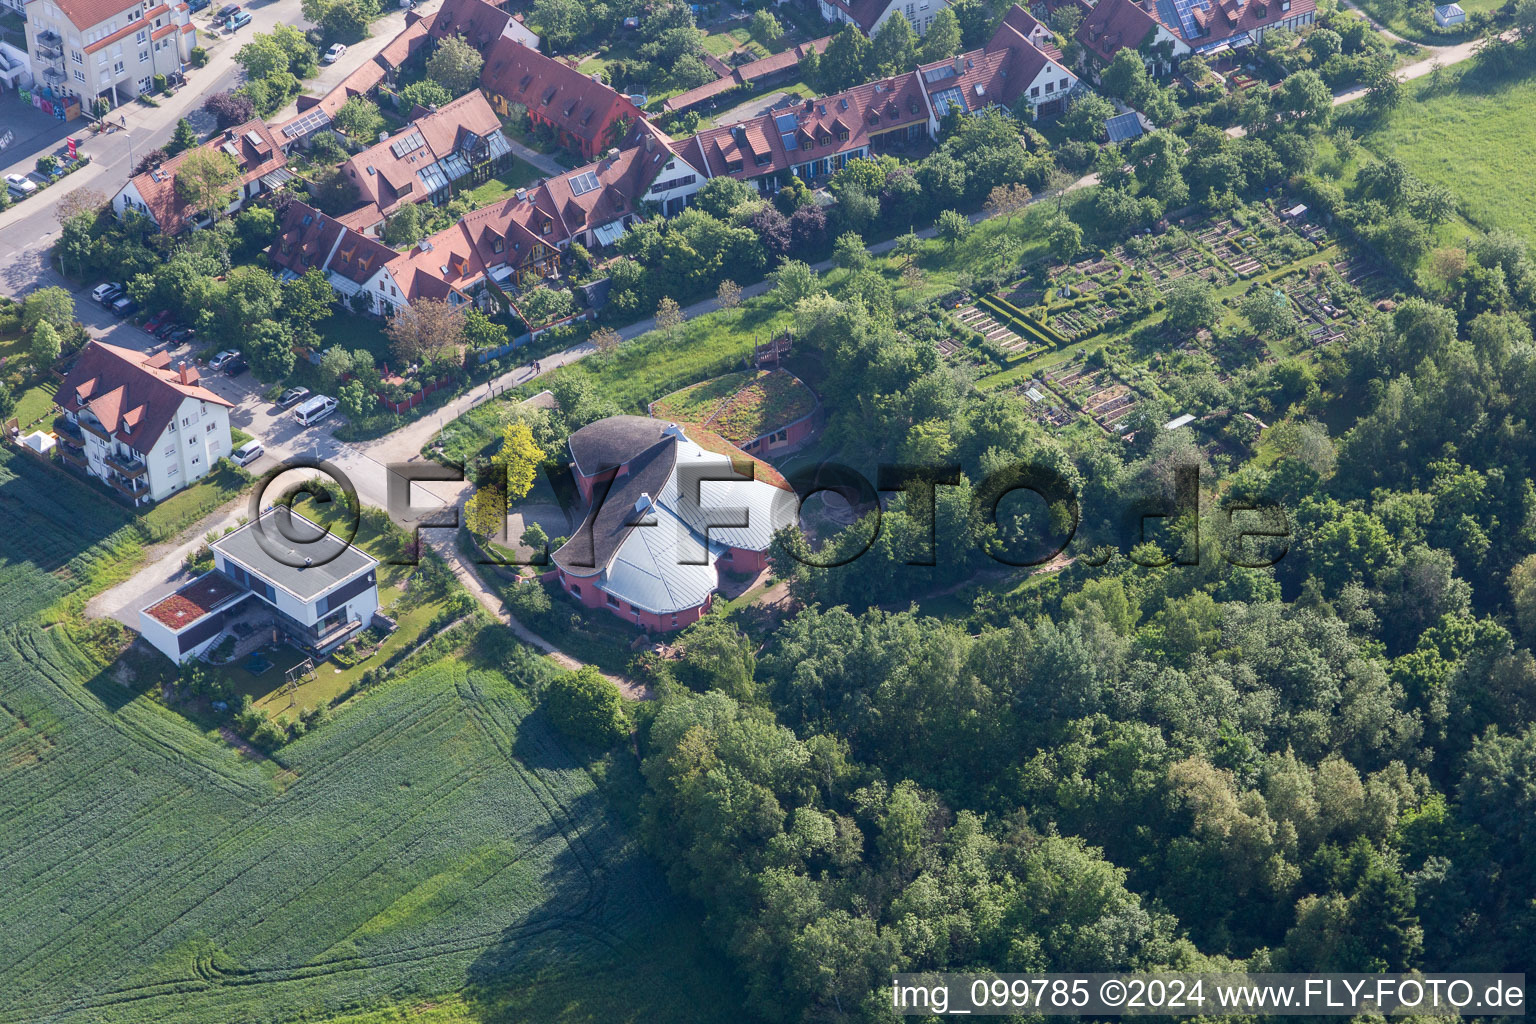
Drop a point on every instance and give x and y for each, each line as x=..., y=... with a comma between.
x=56, y=531
x=1433, y=132
x=436, y=839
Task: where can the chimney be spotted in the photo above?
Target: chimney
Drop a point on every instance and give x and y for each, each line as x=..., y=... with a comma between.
x=183, y=372
x=650, y=143
x=613, y=154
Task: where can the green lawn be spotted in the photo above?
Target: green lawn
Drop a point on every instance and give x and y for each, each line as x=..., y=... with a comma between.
x=435, y=839
x=1394, y=17
x=35, y=406
x=518, y=174
x=1433, y=133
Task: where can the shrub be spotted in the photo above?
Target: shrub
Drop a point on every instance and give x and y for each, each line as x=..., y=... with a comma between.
x=199, y=57
x=586, y=707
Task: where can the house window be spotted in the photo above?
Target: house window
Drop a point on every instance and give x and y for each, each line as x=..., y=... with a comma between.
x=75, y=56
x=1035, y=91
x=576, y=589
x=141, y=36
x=79, y=76
x=118, y=67
x=144, y=85
x=170, y=451
x=1063, y=86
x=196, y=459
x=143, y=56
x=1050, y=86
x=173, y=471
x=612, y=601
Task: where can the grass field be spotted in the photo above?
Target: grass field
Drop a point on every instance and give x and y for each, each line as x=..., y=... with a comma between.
x=518, y=174
x=1396, y=19
x=436, y=839
x=1432, y=132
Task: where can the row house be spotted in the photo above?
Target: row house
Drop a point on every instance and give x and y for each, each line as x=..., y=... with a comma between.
x=479, y=24
x=1164, y=31
x=431, y=157
x=141, y=426
x=1019, y=62
x=261, y=167
x=110, y=49
x=819, y=136
x=586, y=115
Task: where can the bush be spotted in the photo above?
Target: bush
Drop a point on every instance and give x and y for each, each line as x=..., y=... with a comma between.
x=199, y=57
x=586, y=707
x=160, y=83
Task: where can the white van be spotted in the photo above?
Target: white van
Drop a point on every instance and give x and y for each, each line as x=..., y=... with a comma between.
x=316, y=409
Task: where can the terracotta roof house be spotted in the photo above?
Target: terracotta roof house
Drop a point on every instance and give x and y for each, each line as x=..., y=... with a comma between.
x=1009, y=68
x=599, y=202
x=316, y=114
x=112, y=49
x=1187, y=26
x=308, y=239
x=262, y=166
x=757, y=74
x=580, y=109
x=479, y=24
x=668, y=509
x=427, y=159
x=145, y=428
x=819, y=136
x=869, y=15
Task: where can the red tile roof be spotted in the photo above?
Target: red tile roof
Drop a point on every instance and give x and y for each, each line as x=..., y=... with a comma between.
x=862, y=112
x=134, y=395
x=554, y=91
x=407, y=42
x=456, y=258
x=386, y=173
x=479, y=23
x=746, y=74
x=1114, y=24
x=254, y=148
x=85, y=13
x=128, y=29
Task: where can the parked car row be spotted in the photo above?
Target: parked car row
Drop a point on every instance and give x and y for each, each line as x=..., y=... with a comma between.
x=19, y=185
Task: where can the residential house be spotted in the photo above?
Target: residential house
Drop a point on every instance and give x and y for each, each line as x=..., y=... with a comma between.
x=869, y=15
x=586, y=115
x=818, y=137
x=599, y=202
x=479, y=24
x=259, y=160
x=1165, y=31
x=308, y=239
x=144, y=427
x=106, y=48
x=1019, y=62
x=279, y=577
x=431, y=157
x=757, y=74
x=667, y=512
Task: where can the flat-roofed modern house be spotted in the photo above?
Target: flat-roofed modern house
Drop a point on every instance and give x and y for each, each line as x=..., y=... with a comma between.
x=667, y=513
x=261, y=589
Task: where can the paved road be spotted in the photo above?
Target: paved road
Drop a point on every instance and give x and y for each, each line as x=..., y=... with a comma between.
x=29, y=229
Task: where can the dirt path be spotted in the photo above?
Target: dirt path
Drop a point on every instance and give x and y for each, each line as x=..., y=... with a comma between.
x=470, y=577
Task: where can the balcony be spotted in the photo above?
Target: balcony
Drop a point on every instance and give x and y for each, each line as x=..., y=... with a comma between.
x=130, y=489
x=73, y=457
x=128, y=467
x=48, y=37
x=54, y=54
x=53, y=76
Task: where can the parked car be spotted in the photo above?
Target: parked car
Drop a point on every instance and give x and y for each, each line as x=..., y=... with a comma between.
x=166, y=329
x=124, y=306
x=248, y=453
x=193, y=6
x=108, y=293
x=236, y=366
x=292, y=397
x=240, y=19
x=154, y=323
x=334, y=53
x=226, y=12
x=223, y=359
x=20, y=185
x=316, y=409
x=181, y=334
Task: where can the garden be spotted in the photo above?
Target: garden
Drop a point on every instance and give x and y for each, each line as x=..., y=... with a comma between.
x=740, y=406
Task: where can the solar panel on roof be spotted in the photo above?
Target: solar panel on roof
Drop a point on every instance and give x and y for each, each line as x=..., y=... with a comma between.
x=408, y=144
x=785, y=122
x=939, y=74
x=583, y=183
x=310, y=122
x=789, y=140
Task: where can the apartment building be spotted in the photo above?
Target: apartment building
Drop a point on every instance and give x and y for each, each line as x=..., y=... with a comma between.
x=111, y=49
